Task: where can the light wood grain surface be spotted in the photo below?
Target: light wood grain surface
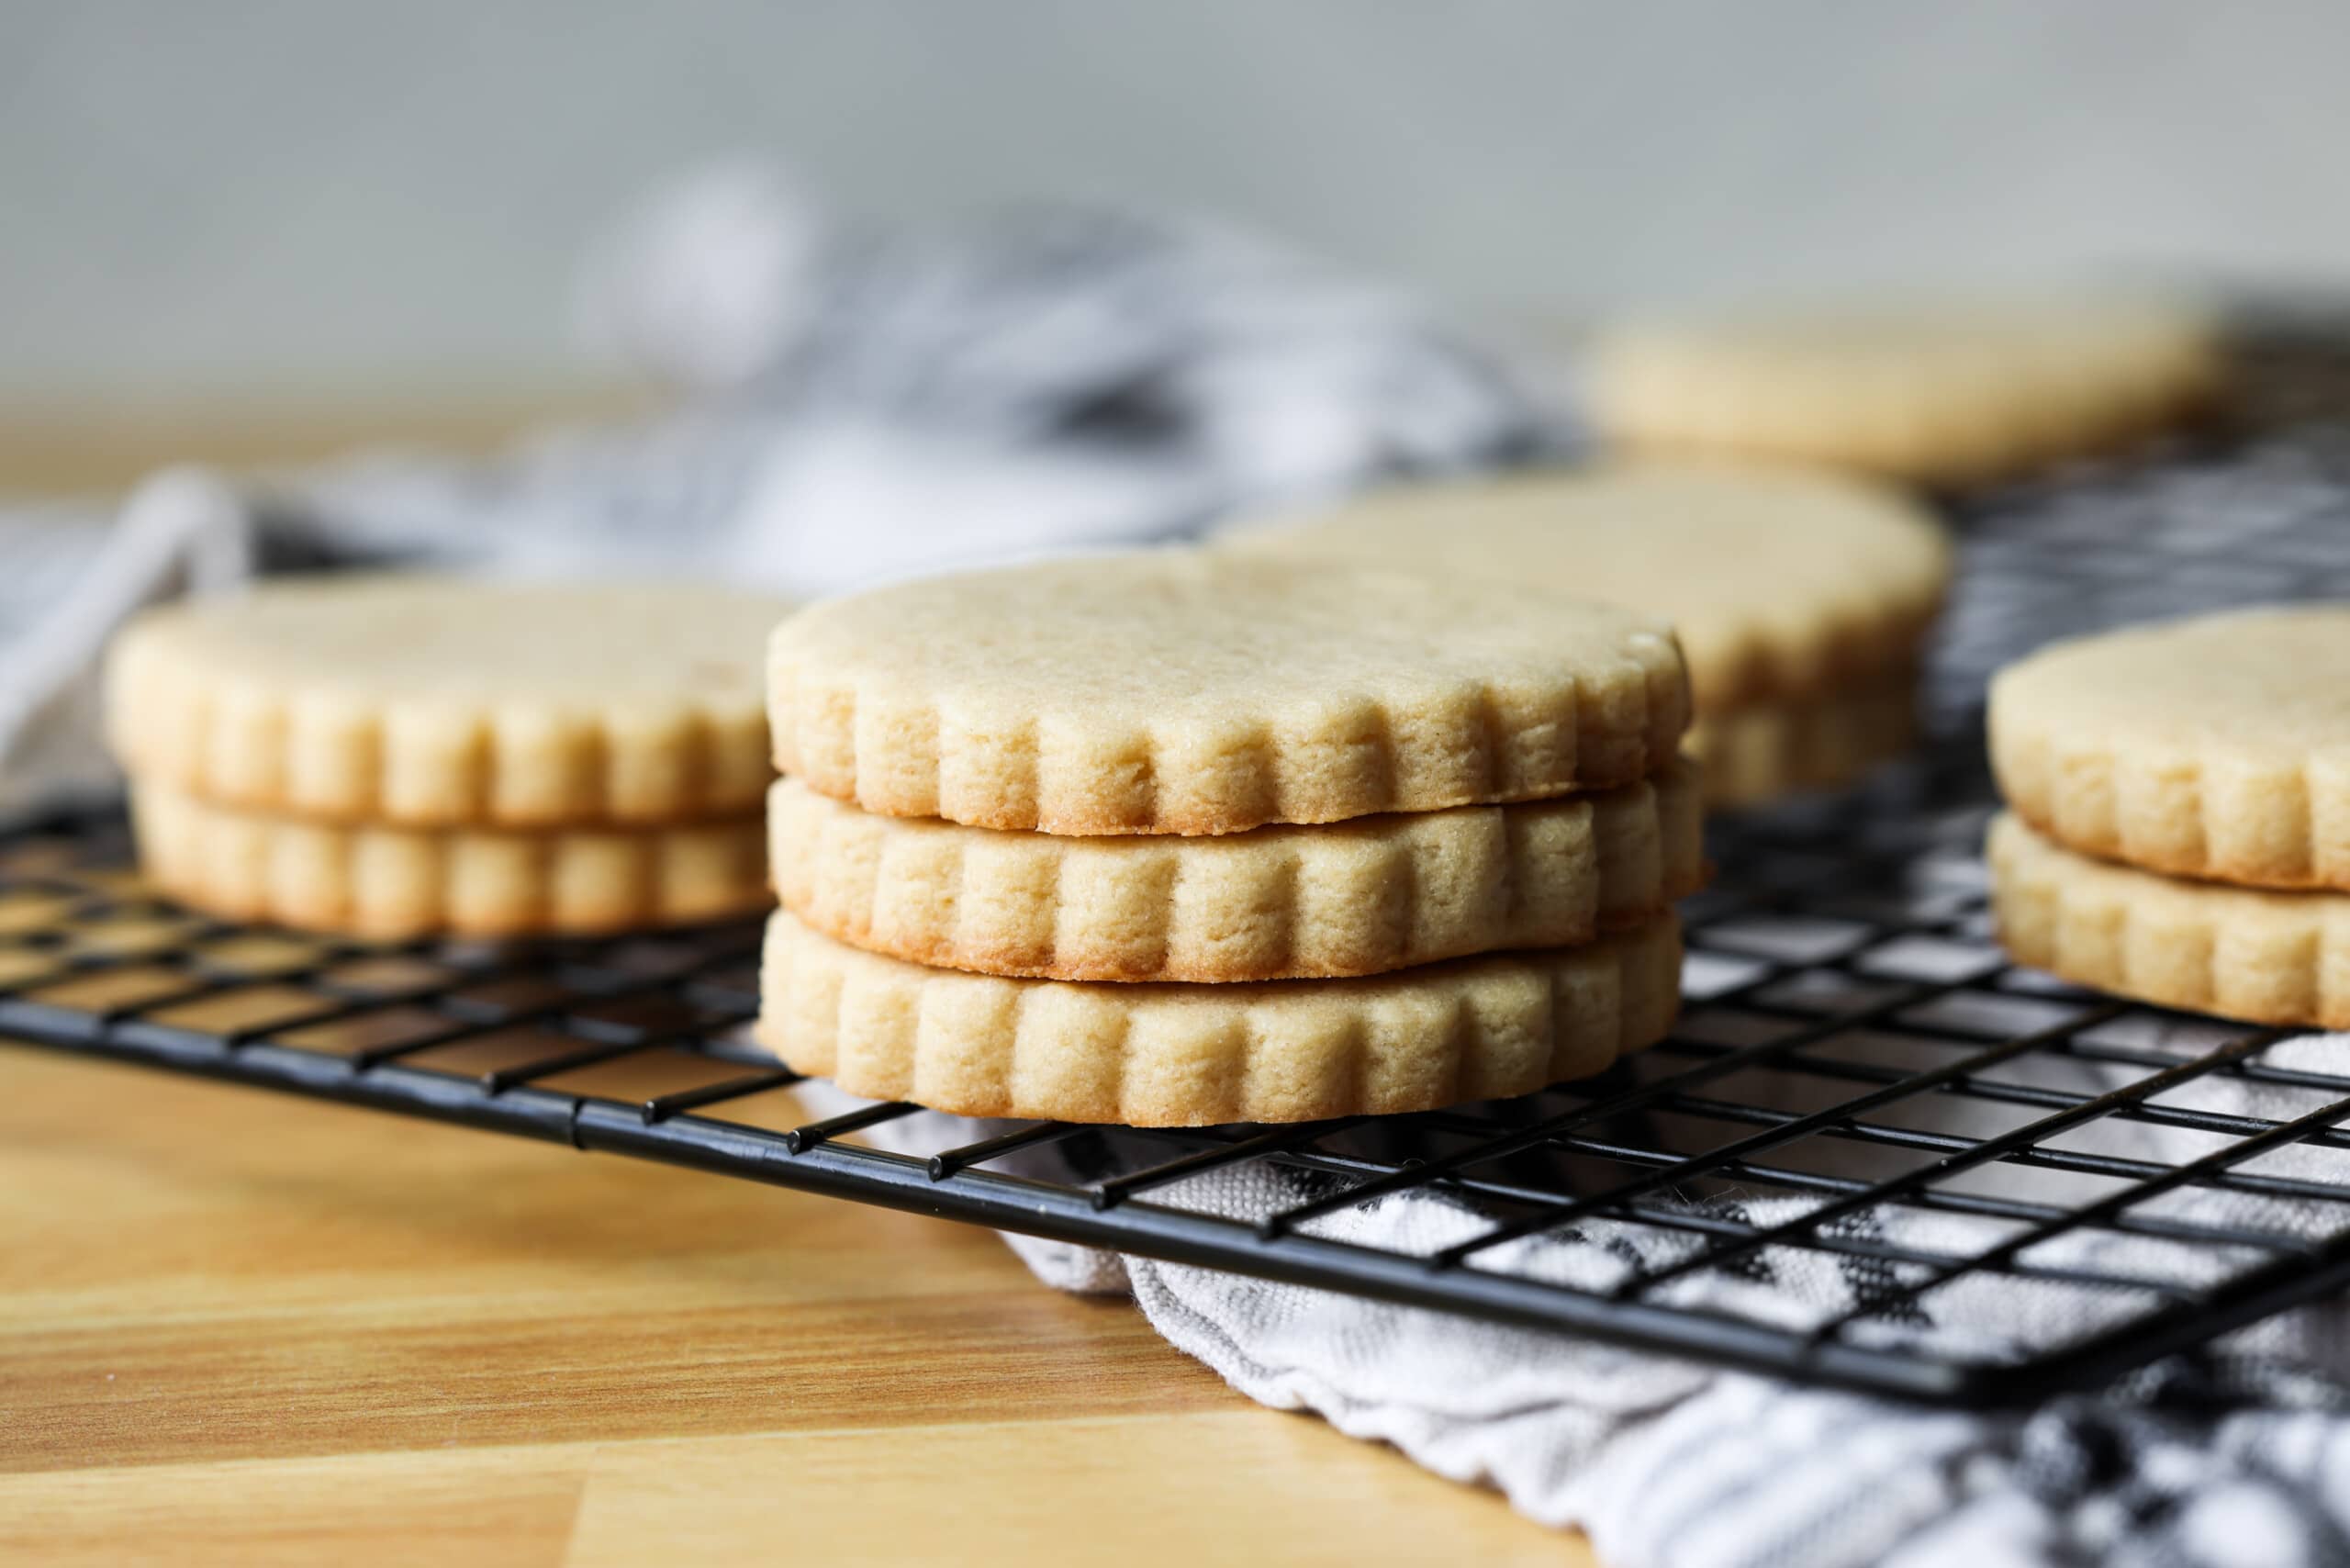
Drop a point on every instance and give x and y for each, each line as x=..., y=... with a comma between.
x=241, y=1328
x=237, y=1328
x=66, y=449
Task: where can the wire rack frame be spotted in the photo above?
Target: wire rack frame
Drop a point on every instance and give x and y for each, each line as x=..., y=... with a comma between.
x=1854, y=1049
x=1797, y=936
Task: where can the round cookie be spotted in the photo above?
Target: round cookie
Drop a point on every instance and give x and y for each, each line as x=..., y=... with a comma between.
x=1355, y=898
x=1200, y=1054
x=1779, y=583
x=1948, y=392
x=2271, y=958
x=1768, y=749
x=1190, y=692
x=1799, y=598
x=436, y=702
x=389, y=883
x=2217, y=747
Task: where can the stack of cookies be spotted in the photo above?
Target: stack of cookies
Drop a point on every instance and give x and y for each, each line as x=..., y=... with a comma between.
x=1938, y=392
x=2179, y=814
x=1184, y=838
x=1801, y=598
x=393, y=756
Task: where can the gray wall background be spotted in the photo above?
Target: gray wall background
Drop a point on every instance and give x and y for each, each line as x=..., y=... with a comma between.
x=237, y=197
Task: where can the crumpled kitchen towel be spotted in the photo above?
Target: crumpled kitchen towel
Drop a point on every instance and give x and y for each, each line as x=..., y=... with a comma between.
x=858, y=403
x=867, y=401
x=2231, y=1457
x=881, y=402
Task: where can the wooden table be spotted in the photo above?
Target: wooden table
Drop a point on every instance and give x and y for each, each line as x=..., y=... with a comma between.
x=246, y=1329
x=241, y=1328
x=103, y=446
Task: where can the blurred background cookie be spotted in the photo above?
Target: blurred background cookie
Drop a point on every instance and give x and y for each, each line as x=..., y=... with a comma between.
x=1802, y=600
x=1944, y=392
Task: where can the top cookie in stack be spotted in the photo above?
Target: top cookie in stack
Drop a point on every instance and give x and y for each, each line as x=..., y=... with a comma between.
x=1802, y=599
x=2180, y=824
x=1180, y=839
x=391, y=755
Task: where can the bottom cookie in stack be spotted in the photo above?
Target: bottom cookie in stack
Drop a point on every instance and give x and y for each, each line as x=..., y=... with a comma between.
x=390, y=883
x=1177, y=1054
x=2271, y=958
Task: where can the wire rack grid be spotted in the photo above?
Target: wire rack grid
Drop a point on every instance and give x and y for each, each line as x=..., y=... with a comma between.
x=1862, y=1094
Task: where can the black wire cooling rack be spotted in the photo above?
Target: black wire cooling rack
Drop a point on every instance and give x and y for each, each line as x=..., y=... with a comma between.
x=1860, y=1084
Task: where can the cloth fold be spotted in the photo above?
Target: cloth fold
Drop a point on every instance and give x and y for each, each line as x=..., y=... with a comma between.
x=2239, y=1454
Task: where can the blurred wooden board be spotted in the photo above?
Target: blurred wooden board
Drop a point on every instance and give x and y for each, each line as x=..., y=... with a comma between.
x=241, y=1328
x=71, y=448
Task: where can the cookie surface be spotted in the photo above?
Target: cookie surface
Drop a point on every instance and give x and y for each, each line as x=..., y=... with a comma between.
x=1765, y=750
x=1190, y=692
x=1353, y=898
x=1952, y=392
x=1778, y=583
x=437, y=701
x=1199, y=1055
x=389, y=883
x=2271, y=958
x=2215, y=747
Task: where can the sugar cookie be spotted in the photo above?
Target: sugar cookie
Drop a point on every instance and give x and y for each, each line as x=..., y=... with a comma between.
x=1800, y=600
x=1199, y=1055
x=2272, y=957
x=1190, y=692
x=2217, y=747
x=1353, y=898
x=1949, y=392
x=438, y=701
x=390, y=882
